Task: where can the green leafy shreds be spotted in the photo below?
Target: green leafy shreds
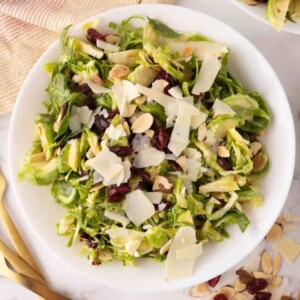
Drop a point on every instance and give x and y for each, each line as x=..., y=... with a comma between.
x=163, y=29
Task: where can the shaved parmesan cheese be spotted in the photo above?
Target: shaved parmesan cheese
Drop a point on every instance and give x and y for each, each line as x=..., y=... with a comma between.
x=165, y=247
x=117, y=217
x=170, y=157
x=120, y=96
x=288, y=249
x=176, y=92
x=180, y=135
x=115, y=133
x=159, y=85
x=221, y=108
x=132, y=246
x=154, y=197
x=193, y=169
x=196, y=121
x=207, y=75
x=97, y=88
x=130, y=90
x=189, y=252
x=161, y=206
x=175, y=268
x=148, y=157
x=138, y=207
x=157, y=96
x=193, y=153
x=201, y=48
x=79, y=116
x=106, y=46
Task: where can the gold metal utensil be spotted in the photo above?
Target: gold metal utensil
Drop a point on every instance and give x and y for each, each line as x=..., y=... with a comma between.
x=14, y=234
x=37, y=287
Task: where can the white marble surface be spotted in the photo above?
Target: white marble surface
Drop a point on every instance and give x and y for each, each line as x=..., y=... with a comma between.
x=282, y=51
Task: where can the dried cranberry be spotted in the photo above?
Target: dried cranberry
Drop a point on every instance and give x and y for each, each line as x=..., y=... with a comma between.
x=220, y=297
x=262, y=296
x=145, y=182
x=167, y=77
x=117, y=193
x=112, y=113
x=96, y=262
x=81, y=88
x=214, y=281
x=256, y=285
x=100, y=125
x=93, y=35
x=121, y=150
x=90, y=102
x=174, y=165
x=224, y=163
x=91, y=242
x=161, y=138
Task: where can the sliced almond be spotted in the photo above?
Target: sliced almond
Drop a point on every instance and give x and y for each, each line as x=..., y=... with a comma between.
x=280, y=221
x=289, y=227
x=261, y=275
x=239, y=286
x=161, y=183
x=284, y=297
x=255, y=147
x=142, y=123
x=274, y=233
x=266, y=262
x=126, y=128
x=223, y=151
x=77, y=78
x=129, y=112
x=199, y=290
x=290, y=218
x=228, y=291
x=251, y=2
x=118, y=71
x=90, y=153
x=202, y=132
x=259, y=162
x=140, y=100
x=240, y=296
x=276, y=263
x=165, y=247
x=97, y=79
x=276, y=282
x=150, y=133
x=182, y=162
x=112, y=38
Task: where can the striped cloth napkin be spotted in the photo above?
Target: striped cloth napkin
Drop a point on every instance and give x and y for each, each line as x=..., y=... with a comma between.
x=28, y=27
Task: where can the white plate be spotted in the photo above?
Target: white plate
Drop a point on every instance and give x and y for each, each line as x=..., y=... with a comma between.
x=42, y=213
x=259, y=12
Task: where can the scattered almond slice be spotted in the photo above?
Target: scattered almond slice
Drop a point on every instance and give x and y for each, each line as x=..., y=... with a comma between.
x=150, y=133
x=289, y=227
x=239, y=286
x=161, y=183
x=199, y=290
x=182, y=162
x=288, y=249
x=118, y=71
x=202, y=132
x=266, y=262
x=142, y=123
x=240, y=296
x=165, y=247
x=290, y=218
x=280, y=221
x=261, y=275
x=140, y=100
x=223, y=151
x=274, y=233
x=259, y=162
x=255, y=147
x=276, y=263
x=228, y=291
x=276, y=282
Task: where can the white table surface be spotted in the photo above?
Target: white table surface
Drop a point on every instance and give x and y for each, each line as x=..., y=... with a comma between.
x=282, y=51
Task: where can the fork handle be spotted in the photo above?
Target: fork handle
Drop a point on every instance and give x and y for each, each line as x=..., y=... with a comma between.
x=18, y=241
x=36, y=287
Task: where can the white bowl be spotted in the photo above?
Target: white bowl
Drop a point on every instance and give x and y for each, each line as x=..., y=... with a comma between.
x=42, y=213
x=259, y=12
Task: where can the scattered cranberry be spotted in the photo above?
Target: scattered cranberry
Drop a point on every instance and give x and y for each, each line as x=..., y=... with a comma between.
x=262, y=296
x=100, y=125
x=214, y=281
x=117, y=193
x=167, y=77
x=224, y=163
x=93, y=35
x=82, y=88
x=112, y=113
x=161, y=138
x=256, y=285
x=220, y=297
x=91, y=242
x=145, y=182
x=121, y=150
x=90, y=102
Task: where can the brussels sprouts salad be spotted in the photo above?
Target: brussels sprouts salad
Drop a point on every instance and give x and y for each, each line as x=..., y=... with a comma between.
x=279, y=11
x=149, y=142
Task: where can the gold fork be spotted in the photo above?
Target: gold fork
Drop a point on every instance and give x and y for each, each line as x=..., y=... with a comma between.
x=35, y=286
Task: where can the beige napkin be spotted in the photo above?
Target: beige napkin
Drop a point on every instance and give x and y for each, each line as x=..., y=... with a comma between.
x=28, y=27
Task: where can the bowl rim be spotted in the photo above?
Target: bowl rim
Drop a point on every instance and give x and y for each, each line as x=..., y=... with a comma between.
x=180, y=283
x=250, y=12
